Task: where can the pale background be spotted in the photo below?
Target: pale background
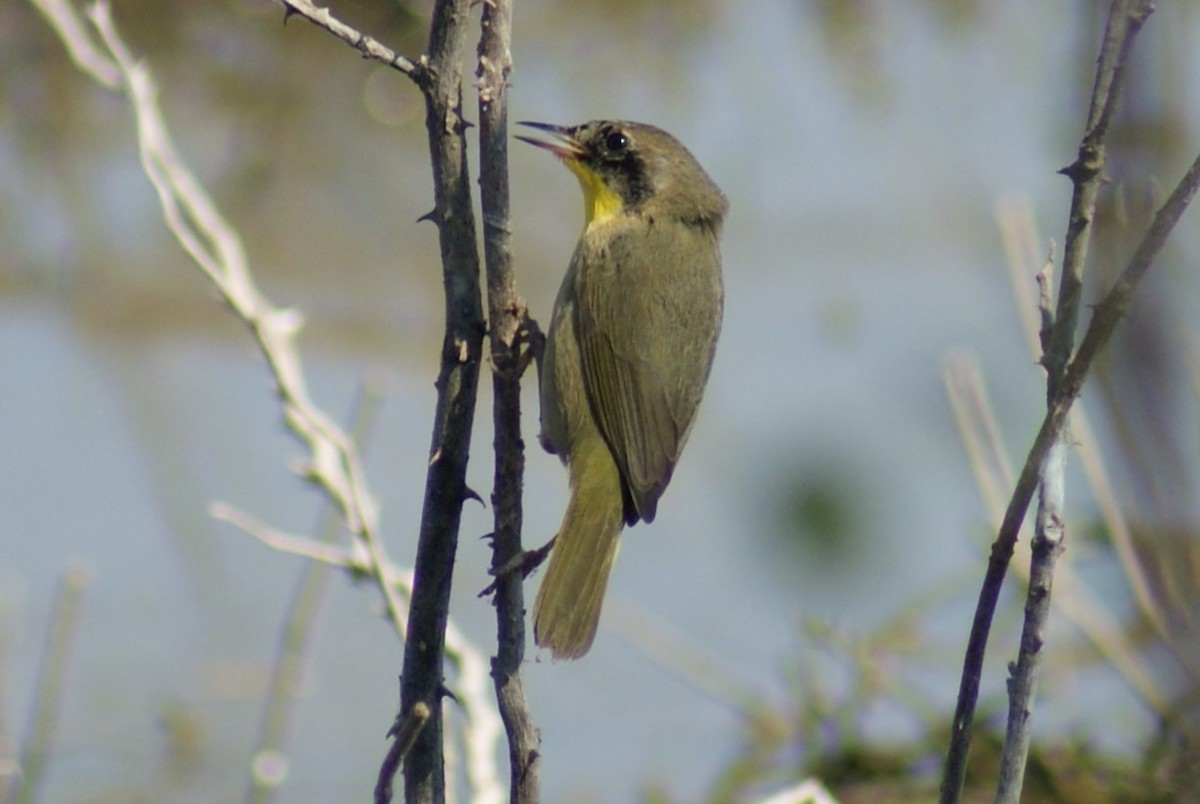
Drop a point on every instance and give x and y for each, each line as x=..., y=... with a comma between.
x=863, y=147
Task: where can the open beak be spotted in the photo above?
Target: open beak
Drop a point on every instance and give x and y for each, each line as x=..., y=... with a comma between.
x=563, y=145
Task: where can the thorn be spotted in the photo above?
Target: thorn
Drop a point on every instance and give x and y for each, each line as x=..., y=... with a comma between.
x=430, y=216
x=470, y=494
x=526, y=561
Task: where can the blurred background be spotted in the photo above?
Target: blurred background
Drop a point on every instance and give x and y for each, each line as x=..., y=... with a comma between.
x=802, y=601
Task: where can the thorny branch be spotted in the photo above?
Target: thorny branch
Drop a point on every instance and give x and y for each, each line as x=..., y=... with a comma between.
x=1066, y=377
x=509, y=331
x=333, y=464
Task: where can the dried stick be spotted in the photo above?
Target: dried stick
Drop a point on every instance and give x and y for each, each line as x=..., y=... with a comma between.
x=508, y=326
x=1065, y=374
x=980, y=436
x=370, y=47
x=51, y=679
x=268, y=766
x=438, y=74
x=1107, y=315
x=422, y=680
x=334, y=465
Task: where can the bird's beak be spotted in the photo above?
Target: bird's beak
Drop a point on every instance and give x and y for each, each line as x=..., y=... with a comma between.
x=564, y=145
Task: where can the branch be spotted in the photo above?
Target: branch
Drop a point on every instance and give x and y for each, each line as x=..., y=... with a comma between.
x=369, y=47
x=980, y=435
x=1065, y=378
x=1022, y=686
x=74, y=35
x=269, y=763
x=1019, y=236
x=1125, y=20
x=422, y=680
x=60, y=640
x=352, y=558
x=334, y=464
x=507, y=315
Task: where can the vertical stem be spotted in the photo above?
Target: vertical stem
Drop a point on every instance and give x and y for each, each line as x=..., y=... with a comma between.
x=422, y=681
x=1125, y=19
x=298, y=632
x=1065, y=374
x=506, y=314
x=1022, y=686
x=51, y=679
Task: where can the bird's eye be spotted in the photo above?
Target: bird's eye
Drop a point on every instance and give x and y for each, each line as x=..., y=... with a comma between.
x=616, y=142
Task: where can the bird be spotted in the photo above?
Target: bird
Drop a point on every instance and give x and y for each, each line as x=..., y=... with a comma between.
x=628, y=352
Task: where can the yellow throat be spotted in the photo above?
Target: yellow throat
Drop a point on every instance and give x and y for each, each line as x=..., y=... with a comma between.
x=600, y=203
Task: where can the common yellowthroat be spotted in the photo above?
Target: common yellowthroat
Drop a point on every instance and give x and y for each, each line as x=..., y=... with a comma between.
x=628, y=353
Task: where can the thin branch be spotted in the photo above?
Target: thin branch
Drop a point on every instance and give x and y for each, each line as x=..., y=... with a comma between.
x=422, y=679
x=1057, y=335
x=369, y=47
x=507, y=317
x=1022, y=685
x=1125, y=20
x=214, y=245
x=979, y=434
x=268, y=766
x=1016, y=222
x=1064, y=378
x=334, y=464
x=351, y=557
x=74, y=35
x=60, y=639
x=1115, y=304
x=405, y=731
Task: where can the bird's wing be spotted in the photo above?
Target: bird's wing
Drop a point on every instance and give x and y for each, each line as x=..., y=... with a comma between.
x=647, y=323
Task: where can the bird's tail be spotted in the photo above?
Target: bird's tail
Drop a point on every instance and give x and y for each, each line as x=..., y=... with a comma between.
x=567, y=609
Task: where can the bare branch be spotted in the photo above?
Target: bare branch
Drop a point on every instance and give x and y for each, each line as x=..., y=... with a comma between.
x=345, y=557
x=1065, y=375
x=422, y=678
x=74, y=34
x=1049, y=534
x=979, y=433
x=369, y=47
x=405, y=731
x=333, y=463
x=507, y=319
x=60, y=639
x=214, y=245
x=1125, y=20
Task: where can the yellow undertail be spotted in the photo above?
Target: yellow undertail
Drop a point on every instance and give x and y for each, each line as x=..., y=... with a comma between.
x=567, y=609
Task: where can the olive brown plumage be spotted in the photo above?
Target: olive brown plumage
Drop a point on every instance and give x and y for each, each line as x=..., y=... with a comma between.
x=629, y=349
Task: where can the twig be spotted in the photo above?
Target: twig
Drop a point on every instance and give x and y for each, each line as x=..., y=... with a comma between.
x=1065, y=374
x=51, y=678
x=334, y=464
x=1125, y=20
x=267, y=769
x=406, y=730
x=369, y=47
x=422, y=679
x=507, y=318
x=74, y=35
x=979, y=434
x=438, y=75
x=215, y=247
x=349, y=557
x=1018, y=228
x=1047, y=546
